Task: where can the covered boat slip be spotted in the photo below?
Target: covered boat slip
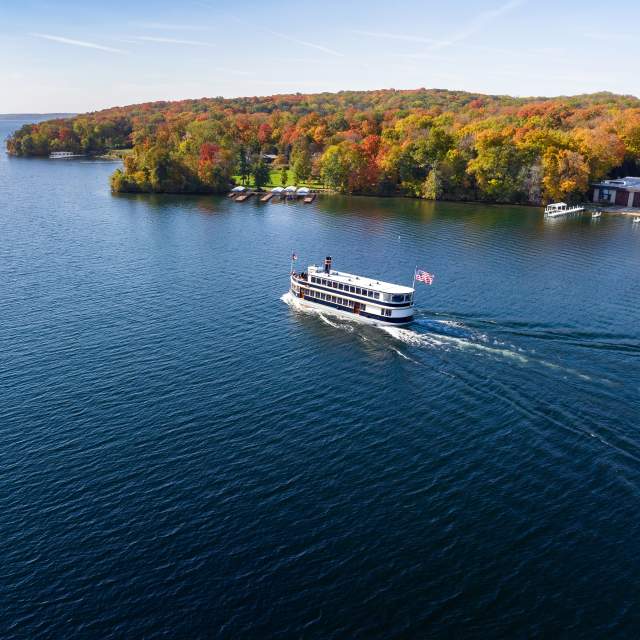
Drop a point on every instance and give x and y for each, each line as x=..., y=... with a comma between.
x=241, y=193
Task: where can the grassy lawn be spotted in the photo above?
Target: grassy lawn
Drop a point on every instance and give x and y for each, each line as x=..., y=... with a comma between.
x=119, y=153
x=275, y=181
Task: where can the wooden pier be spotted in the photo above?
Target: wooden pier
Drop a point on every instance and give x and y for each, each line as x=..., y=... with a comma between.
x=271, y=196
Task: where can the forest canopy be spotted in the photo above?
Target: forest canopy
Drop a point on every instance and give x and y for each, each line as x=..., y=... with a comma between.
x=432, y=144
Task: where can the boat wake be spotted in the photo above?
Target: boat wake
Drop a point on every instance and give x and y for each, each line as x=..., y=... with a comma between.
x=438, y=335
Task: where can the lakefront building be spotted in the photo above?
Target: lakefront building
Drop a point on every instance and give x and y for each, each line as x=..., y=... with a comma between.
x=624, y=192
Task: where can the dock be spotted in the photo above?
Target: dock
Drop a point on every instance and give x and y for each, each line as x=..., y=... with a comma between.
x=240, y=194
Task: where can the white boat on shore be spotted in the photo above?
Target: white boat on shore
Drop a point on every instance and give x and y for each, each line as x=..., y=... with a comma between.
x=557, y=209
x=596, y=214
x=636, y=220
x=357, y=297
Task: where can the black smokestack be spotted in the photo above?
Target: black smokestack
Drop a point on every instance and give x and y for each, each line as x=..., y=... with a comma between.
x=327, y=264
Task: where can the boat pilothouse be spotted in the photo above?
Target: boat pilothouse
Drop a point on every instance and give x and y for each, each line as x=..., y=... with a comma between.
x=372, y=301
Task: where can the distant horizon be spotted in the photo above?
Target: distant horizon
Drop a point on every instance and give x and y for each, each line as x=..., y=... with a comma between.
x=79, y=57
x=310, y=93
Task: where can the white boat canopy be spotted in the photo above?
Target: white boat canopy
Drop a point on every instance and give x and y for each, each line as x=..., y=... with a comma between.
x=290, y=189
x=239, y=188
x=277, y=190
x=303, y=191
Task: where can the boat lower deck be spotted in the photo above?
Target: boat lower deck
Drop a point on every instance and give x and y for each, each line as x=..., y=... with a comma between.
x=349, y=312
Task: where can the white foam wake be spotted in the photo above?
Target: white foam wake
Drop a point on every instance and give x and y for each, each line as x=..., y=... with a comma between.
x=408, y=336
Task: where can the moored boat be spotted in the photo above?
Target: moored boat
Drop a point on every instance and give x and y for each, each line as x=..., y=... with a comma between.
x=358, y=297
x=558, y=209
x=64, y=155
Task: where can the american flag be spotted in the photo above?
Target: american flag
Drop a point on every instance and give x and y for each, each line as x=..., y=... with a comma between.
x=424, y=276
x=294, y=257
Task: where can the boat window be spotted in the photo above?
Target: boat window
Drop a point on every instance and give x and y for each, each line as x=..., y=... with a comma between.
x=363, y=307
x=358, y=290
x=398, y=298
x=376, y=295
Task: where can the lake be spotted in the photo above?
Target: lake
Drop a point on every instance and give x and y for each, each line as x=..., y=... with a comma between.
x=184, y=455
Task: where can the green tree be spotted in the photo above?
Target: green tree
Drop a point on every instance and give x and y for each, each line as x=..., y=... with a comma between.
x=334, y=168
x=496, y=166
x=301, y=164
x=284, y=176
x=243, y=164
x=432, y=187
x=260, y=174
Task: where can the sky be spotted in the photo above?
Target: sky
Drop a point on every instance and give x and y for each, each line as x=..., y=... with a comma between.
x=76, y=56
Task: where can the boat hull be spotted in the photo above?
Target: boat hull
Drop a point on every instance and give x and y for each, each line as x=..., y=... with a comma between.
x=363, y=317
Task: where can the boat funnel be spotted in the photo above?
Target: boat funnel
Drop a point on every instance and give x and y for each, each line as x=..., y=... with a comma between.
x=327, y=264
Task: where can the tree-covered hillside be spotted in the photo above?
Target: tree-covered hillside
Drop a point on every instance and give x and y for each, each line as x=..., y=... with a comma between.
x=426, y=143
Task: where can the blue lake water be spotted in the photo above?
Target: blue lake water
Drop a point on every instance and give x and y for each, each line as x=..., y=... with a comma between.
x=183, y=455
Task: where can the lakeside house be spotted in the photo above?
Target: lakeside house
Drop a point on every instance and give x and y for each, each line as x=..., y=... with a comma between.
x=624, y=192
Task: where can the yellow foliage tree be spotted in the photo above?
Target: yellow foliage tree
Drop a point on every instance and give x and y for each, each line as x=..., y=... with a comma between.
x=566, y=174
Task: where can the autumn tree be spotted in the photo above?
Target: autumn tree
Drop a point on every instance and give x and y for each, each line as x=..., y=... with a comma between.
x=566, y=175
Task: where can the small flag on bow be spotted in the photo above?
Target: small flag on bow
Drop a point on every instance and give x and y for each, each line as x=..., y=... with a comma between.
x=294, y=257
x=424, y=276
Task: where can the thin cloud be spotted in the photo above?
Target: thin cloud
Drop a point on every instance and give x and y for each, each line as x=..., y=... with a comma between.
x=166, y=25
x=478, y=24
x=235, y=72
x=608, y=37
x=195, y=43
x=305, y=43
x=77, y=43
x=395, y=36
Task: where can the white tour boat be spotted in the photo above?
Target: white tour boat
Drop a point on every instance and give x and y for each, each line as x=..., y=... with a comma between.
x=359, y=297
x=560, y=209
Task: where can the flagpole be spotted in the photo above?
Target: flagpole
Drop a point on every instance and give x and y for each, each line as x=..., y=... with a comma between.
x=291, y=257
x=413, y=283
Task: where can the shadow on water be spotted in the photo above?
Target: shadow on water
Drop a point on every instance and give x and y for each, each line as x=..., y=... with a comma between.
x=168, y=203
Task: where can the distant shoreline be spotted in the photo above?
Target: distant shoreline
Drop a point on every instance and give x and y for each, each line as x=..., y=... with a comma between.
x=52, y=116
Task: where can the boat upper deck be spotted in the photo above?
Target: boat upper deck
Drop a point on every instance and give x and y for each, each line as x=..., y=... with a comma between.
x=359, y=281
